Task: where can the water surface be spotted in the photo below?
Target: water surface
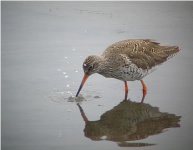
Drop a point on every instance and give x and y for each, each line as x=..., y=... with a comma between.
x=43, y=47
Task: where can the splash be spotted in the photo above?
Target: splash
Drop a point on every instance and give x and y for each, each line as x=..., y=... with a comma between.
x=78, y=99
x=64, y=97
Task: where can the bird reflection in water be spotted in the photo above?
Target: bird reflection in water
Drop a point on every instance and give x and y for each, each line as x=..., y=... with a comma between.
x=129, y=121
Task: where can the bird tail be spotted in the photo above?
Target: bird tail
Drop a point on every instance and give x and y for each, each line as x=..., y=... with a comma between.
x=171, y=51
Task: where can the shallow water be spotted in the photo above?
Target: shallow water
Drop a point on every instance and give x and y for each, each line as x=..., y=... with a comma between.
x=43, y=47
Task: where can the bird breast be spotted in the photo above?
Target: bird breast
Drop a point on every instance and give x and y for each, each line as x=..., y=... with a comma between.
x=128, y=72
x=131, y=72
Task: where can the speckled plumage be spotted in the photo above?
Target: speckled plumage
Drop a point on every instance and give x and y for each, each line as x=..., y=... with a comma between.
x=143, y=53
x=129, y=60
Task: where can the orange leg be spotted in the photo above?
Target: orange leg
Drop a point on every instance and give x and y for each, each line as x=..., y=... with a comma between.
x=144, y=90
x=126, y=90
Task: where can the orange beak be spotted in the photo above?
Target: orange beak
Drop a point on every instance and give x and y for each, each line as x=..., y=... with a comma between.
x=82, y=83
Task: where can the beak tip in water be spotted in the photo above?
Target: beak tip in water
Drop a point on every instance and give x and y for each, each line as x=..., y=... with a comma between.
x=82, y=83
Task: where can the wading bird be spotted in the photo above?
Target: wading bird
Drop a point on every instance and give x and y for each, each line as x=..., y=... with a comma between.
x=128, y=60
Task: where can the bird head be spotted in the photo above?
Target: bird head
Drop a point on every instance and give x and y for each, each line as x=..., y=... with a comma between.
x=90, y=66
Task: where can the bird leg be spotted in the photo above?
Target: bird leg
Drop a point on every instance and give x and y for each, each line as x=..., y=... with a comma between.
x=126, y=90
x=144, y=90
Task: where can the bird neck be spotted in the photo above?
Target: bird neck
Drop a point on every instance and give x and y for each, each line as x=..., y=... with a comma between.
x=102, y=64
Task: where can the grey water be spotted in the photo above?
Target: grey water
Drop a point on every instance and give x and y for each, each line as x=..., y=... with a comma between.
x=43, y=46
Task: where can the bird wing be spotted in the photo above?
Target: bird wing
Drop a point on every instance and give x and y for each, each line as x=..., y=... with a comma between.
x=143, y=53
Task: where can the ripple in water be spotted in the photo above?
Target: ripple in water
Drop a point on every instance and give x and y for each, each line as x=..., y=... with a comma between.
x=78, y=99
x=66, y=96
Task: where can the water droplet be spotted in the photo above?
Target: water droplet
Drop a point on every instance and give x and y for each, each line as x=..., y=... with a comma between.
x=68, y=110
x=66, y=57
x=60, y=92
x=76, y=70
x=69, y=92
x=64, y=73
x=66, y=76
x=67, y=85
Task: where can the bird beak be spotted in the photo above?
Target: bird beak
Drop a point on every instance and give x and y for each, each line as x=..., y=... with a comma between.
x=82, y=83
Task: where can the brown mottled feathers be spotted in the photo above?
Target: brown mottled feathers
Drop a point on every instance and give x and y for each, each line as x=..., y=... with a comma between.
x=144, y=53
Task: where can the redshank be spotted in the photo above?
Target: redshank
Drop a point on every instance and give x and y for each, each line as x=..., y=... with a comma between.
x=128, y=60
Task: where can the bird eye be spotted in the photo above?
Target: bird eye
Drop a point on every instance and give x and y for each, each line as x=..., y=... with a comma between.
x=90, y=67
